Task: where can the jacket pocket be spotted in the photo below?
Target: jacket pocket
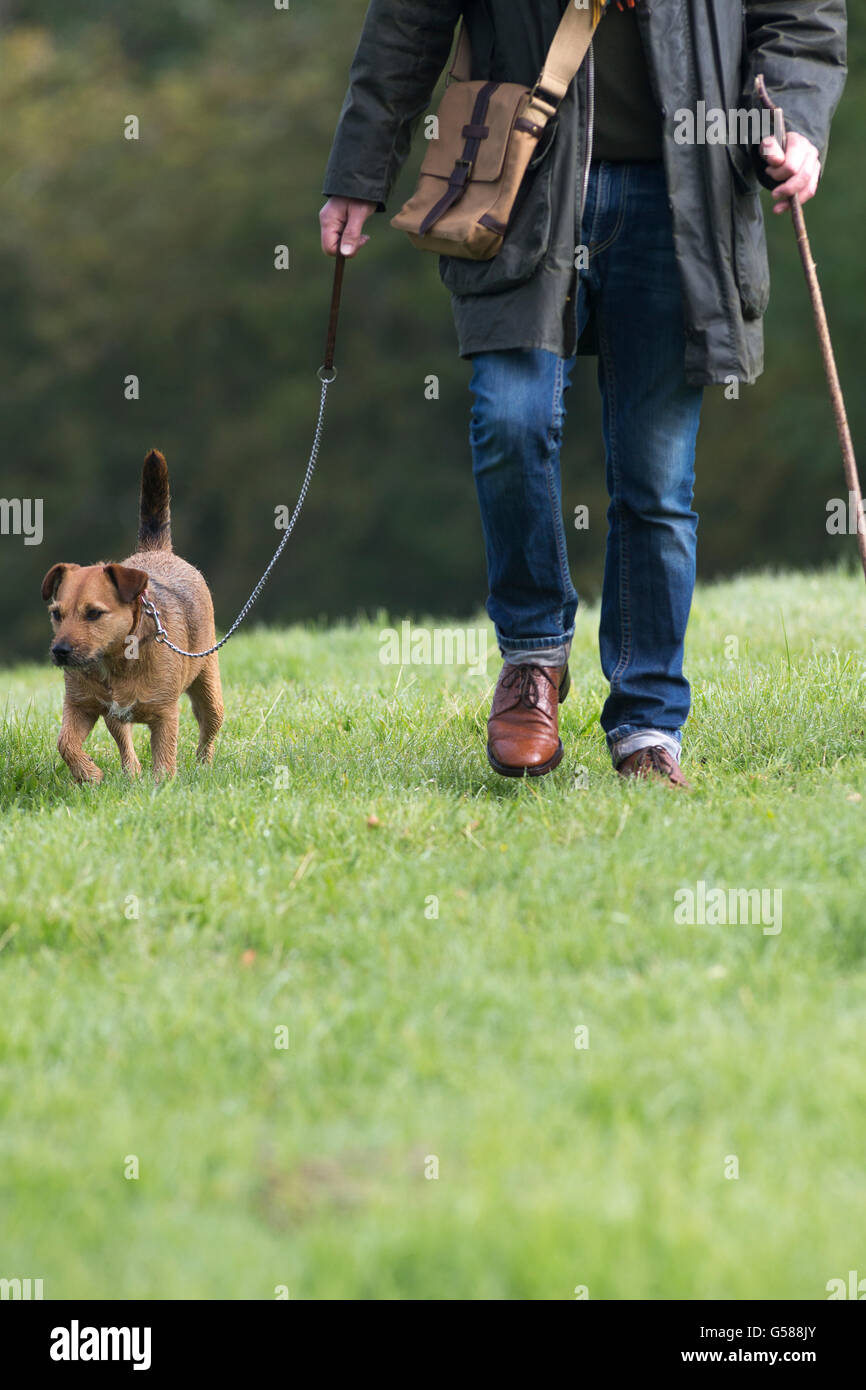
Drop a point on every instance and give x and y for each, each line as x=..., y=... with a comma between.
x=525, y=245
x=751, y=263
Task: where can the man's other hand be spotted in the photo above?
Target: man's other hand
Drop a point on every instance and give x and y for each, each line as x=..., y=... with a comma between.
x=796, y=169
x=341, y=221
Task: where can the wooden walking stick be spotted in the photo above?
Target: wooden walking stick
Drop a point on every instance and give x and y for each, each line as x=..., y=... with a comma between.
x=848, y=459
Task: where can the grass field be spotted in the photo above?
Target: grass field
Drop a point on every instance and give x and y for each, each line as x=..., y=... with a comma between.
x=154, y=940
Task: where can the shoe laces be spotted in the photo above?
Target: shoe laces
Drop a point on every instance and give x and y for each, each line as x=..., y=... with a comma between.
x=657, y=758
x=528, y=686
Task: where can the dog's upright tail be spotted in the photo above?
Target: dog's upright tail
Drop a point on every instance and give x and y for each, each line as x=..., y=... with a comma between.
x=154, y=523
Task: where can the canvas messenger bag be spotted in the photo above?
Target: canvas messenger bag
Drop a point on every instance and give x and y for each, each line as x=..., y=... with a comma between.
x=488, y=133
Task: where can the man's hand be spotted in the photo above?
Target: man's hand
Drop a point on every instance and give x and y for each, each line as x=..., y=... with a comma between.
x=341, y=221
x=796, y=169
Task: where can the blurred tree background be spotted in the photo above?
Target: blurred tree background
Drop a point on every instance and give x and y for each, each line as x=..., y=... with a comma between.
x=155, y=258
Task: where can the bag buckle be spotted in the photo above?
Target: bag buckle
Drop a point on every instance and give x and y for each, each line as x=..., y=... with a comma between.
x=465, y=166
x=543, y=98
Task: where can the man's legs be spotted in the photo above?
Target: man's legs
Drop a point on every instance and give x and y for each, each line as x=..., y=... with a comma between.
x=651, y=418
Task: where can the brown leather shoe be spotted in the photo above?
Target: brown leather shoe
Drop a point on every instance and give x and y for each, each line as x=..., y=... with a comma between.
x=656, y=764
x=523, y=728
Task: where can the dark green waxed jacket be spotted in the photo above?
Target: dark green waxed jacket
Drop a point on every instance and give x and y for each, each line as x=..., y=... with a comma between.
x=708, y=50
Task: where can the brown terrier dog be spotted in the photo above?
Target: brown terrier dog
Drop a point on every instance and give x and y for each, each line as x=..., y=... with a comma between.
x=104, y=640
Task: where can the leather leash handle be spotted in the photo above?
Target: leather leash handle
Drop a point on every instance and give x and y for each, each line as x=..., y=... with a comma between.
x=843, y=429
x=331, y=343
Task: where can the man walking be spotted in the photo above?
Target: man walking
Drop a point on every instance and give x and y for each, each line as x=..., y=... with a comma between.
x=638, y=237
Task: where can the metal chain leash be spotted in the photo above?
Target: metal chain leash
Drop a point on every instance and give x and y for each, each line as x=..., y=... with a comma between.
x=327, y=374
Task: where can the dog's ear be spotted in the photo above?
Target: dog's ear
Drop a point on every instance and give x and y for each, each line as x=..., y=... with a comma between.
x=129, y=583
x=53, y=579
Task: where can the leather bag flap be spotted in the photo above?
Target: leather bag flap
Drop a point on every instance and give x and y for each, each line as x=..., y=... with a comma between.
x=455, y=113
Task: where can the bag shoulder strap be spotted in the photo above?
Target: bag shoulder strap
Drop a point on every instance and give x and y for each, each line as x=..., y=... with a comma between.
x=564, y=57
x=569, y=48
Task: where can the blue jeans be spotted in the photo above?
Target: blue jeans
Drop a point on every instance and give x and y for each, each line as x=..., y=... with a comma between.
x=650, y=426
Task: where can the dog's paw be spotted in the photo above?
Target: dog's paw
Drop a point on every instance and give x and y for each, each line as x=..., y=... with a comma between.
x=88, y=774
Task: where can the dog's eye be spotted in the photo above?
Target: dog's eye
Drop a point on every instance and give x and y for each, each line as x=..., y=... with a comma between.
x=54, y=615
x=93, y=614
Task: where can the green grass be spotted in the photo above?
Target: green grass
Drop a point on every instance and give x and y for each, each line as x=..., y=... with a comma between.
x=412, y=1035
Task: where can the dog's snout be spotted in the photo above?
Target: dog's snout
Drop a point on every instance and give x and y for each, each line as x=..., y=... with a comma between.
x=61, y=652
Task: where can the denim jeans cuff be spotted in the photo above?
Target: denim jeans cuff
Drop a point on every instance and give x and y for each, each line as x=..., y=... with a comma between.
x=543, y=651
x=626, y=740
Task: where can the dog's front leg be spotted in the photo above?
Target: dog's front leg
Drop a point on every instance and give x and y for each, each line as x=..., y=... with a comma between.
x=74, y=729
x=163, y=743
x=122, y=735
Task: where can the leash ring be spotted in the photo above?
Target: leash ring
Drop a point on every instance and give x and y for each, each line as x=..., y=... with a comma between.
x=326, y=380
